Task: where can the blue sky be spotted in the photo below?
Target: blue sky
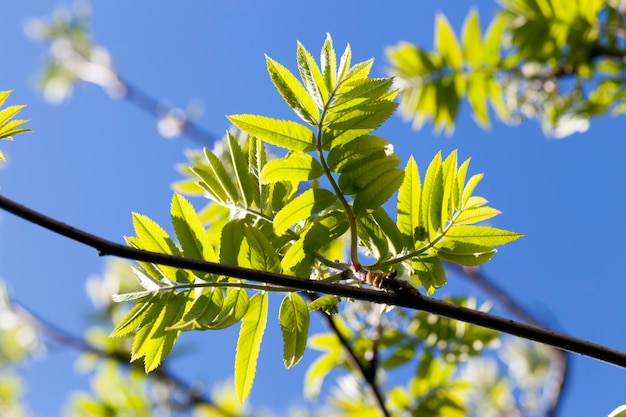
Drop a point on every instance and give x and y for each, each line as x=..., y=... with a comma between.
x=92, y=161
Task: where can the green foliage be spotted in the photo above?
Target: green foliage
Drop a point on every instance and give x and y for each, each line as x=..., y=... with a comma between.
x=522, y=65
x=290, y=214
x=10, y=127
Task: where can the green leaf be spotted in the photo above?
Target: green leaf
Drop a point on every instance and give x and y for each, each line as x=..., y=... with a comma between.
x=389, y=228
x=297, y=261
x=409, y=204
x=493, y=39
x=357, y=122
x=344, y=64
x=283, y=133
x=151, y=237
x=477, y=94
x=462, y=253
x=311, y=76
x=203, y=310
x=249, y=344
x=342, y=156
x=430, y=272
x=327, y=303
x=328, y=61
x=318, y=371
x=303, y=207
x=431, y=198
x=379, y=190
x=357, y=175
x=469, y=188
x=472, y=45
x=450, y=195
x=446, y=43
x=475, y=215
x=357, y=92
x=372, y=237
x=293, y=92
x=242, y=171
x=294, y=167
x=232, y=310
x=159, y=341
x=191, y=234
x=294, y=324
x=481, y=235
x=132, y=319
x=324, y=230
x=257, y=158
x=262, y=256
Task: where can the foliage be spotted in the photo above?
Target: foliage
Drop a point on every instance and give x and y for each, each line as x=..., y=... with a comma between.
x=10, y=127
x=537, y=59
x=274, y=226
x=322, y=208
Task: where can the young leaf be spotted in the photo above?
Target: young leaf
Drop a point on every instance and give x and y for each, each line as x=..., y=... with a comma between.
x=409, y=204
x=389, y=228
x=294, y=167
x=472, y=45
x=344, y=64
x=191, y=235
x=318, y=371
x=358, y=174
x=231, y=242
x=372, y=237
x=446, y=43
x=430, y=272
x=204, y=309
x=249, y=344
x=261, y=255
x=342, y=156
x=481, y=235
x=328, y=61
x=294, y=325
x=242, y=171
x=307, y=204
x=357, y=122
x=475, y=215
x=132, y=319
x=326, y=303
x=462, y=253
x=257, y=159
x=469, y=188
x=324, y=230
x=283, y=133
x=297, y=261
x=233, y=308
x=151, y=237
x=379, y=190
x=450, y=195
x=293, y=92
x=311, y=76
x=431, y=198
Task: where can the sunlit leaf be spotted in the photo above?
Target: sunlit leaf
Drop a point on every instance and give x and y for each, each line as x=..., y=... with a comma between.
x=312, y=76
x=307, y=204
x=242, y=171
x=292, y=91
x=378, y=191
x=249, y=344
x=446, y=42
x=431, y=198
x=481, y=235
x=409, y=204
x=294, y=167
x=328, y=62
x=293, y=317
x=463, y=253
x=283, y=133
x=327, y=303
x=430, y=273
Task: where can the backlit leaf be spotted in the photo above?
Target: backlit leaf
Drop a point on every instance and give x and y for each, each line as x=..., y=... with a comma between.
x=190, y=232
x=312, y=76
x=283, y=133
x=294, y=167
x=446, y=42
x=293, y=317
x=409, y=204
x=378, y=191
x=430, y=272
x=242, y=171
x=431, y=199
x=292, y=91
x=481, y=235
x=463, y=253
x=307, y=204
x=249, y=344
x=328, y=61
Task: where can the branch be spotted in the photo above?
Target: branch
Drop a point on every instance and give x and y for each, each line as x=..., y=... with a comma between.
x=407, y=299
x=556, y=379
x=368, y=374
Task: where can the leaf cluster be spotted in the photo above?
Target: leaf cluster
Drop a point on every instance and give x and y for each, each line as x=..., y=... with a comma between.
x=298, y=214
x=10, y=127
x=558, y=62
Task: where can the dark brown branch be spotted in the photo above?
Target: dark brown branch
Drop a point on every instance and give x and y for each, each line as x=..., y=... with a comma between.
x=404, y=299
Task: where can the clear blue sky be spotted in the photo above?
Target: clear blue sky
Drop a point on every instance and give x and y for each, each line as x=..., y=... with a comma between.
x=92, y=161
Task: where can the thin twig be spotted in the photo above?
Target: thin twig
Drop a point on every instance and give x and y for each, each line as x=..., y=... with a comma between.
x=368, y=373
x=404, y=299
x=558, y=373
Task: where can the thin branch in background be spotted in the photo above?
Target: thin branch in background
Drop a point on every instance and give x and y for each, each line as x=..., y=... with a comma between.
x=557, y=377
x=403, y=299
x=193, y=397
x=367, y=373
